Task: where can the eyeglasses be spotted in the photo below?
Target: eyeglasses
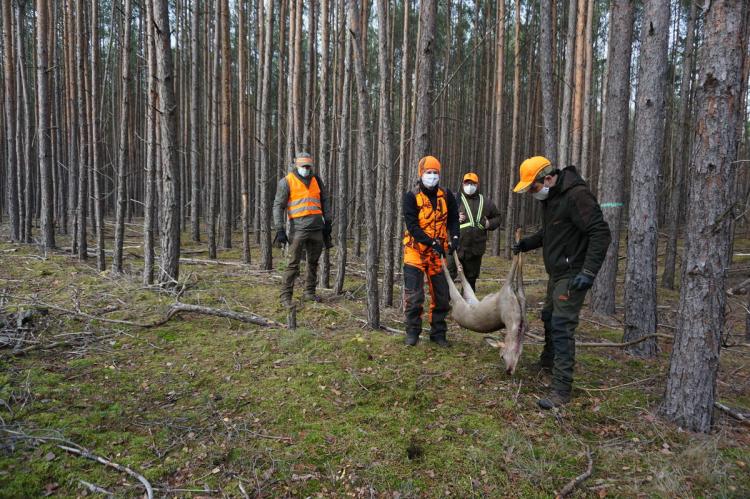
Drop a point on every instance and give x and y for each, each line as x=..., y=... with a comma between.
x=536, y=186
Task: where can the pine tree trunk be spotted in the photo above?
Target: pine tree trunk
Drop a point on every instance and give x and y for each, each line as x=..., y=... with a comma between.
x=83, y=126
x=343, y=190
x=25, y=133
x=611, y=185
x=691, y=384
x=565, y=117
x=386, y=152
x=640, y=276
x=497, y=163
x=679, y=158
x=586, y=131
x=402, y=143
x=98, y=201
x=225, y=113
x=549, y=104
x=122, y=157
x=10, y=123
x=194, y=120
x=71, y=123
x=213, y=168
x=510, y=215
x=243, y=129
x=266, y=259
x=152, y=103
x=47, y=222
x=425, y=75
x=580, y=65
x=363, y=125
x=323, y=158
x=307, y=124
x=170, y=213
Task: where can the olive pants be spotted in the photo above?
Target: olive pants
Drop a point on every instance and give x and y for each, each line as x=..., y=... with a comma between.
x=560, y=316
x=471, y=264
x=310, y=243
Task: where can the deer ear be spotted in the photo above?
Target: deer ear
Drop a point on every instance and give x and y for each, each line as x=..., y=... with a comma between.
x=494, y=342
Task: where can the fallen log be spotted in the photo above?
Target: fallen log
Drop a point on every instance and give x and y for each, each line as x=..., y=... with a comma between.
x=175, y=309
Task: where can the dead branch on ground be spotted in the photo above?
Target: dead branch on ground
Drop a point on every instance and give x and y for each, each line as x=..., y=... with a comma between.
x=88, y=455
x=736, y=415
x=580, y=478
x=175, y=309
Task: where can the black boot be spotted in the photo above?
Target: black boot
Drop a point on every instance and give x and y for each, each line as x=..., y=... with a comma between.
x=439, y=340
x=411, y=339
x=554, y=399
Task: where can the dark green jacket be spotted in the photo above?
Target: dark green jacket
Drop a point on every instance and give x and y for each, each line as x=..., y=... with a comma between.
x=474, y=236
x=574, y=234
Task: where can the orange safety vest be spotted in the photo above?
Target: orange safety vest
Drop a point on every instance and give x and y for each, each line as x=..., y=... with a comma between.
x=303, y=200
x=432, y=220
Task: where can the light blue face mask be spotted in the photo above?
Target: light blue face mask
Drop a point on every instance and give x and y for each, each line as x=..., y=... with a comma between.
x=304, y=171
x=430, y=179
x=541, y=194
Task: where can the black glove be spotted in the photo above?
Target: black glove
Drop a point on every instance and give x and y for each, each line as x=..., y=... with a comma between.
x=437, y=247
x=327, y=228
x=281, y=238
x=583, y=281
x=454, y=245
x=519, y=247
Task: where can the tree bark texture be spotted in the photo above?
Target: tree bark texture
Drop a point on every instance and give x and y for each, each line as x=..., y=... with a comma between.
x=425, y=75
x=679, y=157
x=643, y=236
x=170, y=212
x=47, y=221
x=691, y=384
x=363, y=124
x=124, y=139
x=11, y=191
x=611, y=185
x=549, y=103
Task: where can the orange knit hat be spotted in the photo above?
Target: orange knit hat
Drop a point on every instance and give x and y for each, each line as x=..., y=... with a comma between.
x=428, y=163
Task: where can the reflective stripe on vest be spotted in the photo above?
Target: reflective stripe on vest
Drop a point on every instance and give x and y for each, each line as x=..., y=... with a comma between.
x=303, y=201
x=471, y=222
x=432, y=220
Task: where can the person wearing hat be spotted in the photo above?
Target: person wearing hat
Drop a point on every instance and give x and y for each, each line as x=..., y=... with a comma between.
x=431, y=219
x=477, y=215
x=574, y=238
x=302, y=194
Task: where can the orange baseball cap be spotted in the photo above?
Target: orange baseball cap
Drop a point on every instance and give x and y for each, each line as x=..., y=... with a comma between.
x=472, y=177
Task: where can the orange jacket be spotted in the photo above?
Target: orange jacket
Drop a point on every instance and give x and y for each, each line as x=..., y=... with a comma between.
x=303, y=200
x=433, y=221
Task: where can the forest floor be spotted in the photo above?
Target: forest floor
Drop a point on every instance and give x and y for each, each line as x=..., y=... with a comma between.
x=210, y=407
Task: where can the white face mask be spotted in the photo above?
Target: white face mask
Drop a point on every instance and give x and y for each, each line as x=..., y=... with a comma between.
x=541, y=194
x=430, y=179
x=304, y=171
x=470, y=189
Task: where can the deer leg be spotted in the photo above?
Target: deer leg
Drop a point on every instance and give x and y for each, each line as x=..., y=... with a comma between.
x=469, y=295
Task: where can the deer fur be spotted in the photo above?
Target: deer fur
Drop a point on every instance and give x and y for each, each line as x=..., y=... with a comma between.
x=503, y=309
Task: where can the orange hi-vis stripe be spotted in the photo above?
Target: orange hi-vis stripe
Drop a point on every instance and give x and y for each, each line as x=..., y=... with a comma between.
x=303, y=201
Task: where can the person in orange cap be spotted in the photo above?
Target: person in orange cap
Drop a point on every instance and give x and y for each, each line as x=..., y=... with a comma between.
x=431, y=219
x=303, y=196
x=477, y=215
x=574, y=237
